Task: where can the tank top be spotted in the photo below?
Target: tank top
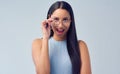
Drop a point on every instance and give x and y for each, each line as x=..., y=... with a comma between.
x=60, y=62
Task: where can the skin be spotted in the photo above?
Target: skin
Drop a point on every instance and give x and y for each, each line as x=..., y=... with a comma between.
x=40, y=46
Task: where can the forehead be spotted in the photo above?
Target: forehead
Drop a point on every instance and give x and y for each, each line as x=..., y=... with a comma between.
x=61, y=13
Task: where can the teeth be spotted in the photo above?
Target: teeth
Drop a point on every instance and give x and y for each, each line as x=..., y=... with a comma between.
x=60, y=30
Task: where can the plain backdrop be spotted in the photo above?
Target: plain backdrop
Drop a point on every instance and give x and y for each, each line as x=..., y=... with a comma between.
x=97, y=23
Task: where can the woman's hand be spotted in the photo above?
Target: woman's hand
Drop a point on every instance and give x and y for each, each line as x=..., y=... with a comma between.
x=46, y=28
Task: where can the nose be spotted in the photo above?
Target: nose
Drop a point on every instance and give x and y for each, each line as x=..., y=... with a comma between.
x=60, y=25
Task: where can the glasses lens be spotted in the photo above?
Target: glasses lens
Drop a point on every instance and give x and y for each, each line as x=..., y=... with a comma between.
x=56, y=21
x=53, y=23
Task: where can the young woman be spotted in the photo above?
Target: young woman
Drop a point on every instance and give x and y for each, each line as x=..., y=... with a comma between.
x=59, y=51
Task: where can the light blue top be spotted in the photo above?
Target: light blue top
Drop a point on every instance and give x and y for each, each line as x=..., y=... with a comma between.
x=59, y=58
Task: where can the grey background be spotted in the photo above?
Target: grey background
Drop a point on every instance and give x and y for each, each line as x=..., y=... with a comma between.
x=97, y=23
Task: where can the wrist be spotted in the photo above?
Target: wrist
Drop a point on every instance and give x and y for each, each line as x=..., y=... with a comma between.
x=45, y=38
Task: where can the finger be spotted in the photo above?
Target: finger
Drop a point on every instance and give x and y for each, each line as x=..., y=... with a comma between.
x=50, y=21
x=44, y=23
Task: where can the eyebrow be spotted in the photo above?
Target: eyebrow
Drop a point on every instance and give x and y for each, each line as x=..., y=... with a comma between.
x=62, y=18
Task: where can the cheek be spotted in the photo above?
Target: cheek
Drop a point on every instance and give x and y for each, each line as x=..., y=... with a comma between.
x=53, y=28
x=68, y=26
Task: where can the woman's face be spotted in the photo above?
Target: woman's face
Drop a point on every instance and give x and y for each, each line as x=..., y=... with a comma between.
x=61, y=22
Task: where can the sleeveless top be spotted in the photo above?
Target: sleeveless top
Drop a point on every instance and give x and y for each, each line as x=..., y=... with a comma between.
x=60, y=62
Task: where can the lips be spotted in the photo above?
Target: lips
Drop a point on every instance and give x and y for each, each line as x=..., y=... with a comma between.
x=60, y=31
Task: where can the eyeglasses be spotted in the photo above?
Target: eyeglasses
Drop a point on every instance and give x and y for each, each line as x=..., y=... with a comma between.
x=65, y=21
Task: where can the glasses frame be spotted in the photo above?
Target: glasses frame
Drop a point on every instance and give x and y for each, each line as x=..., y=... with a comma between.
x=63, y=21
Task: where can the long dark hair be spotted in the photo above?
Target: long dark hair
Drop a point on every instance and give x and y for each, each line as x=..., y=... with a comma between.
x=72, y=42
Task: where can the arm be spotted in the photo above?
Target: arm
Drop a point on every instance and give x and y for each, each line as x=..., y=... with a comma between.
x=40, y=56
x=40, y=50
x=85, y=58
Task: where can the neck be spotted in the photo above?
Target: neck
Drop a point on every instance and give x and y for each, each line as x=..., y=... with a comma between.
x=59, y=38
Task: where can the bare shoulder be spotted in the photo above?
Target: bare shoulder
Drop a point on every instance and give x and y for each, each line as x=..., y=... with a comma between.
x=82, y=44
x=38, y=40
x=85, y=58
x=83, y=50
x=36, y=46
x=37, y=43
x=83, y=47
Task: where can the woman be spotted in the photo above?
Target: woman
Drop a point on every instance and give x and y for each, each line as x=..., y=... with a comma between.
x=59, y=51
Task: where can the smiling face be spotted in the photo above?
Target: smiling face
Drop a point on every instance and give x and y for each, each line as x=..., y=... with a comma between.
x=61, y=23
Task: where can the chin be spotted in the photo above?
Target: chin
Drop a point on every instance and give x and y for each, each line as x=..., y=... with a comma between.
x=61, y=35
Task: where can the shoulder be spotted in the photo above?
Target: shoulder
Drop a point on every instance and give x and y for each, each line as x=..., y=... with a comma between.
x=36, y=47
x=82, y=43
x=37, y=41
x=84, y=53
x=85, y=58
x=83, y=49
x=36, y=44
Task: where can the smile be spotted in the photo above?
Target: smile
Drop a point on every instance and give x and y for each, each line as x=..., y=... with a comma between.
x=60, y=31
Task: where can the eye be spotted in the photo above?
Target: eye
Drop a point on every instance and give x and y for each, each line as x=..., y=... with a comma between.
x=56, y=19
x=65, y=19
